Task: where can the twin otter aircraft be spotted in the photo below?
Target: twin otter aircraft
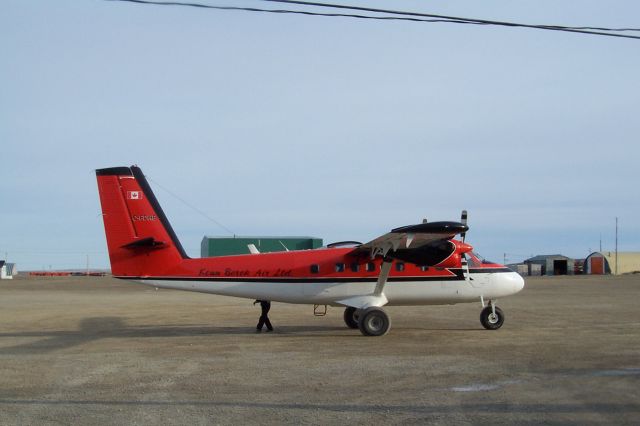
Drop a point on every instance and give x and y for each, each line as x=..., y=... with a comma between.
x=412, y=265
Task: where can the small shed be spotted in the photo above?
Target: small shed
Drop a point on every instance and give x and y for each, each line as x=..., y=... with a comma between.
x=527, y=269
x=553, y=264
x=7, y=270
x=600, y=263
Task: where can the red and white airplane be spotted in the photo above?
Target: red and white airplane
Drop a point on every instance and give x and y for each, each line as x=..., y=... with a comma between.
x=412, y=265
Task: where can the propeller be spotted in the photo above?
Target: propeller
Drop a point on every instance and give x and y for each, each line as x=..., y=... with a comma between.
x=463, y=257
x=463, y=219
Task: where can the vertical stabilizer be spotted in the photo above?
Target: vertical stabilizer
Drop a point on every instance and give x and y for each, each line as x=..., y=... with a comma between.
x=140, y=239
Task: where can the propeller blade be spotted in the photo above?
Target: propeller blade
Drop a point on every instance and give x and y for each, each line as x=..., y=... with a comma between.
x=463, y=219
x=463, y=257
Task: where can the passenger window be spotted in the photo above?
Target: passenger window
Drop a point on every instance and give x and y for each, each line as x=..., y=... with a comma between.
x=400, y=266
x=424, y=268
x=355, y=267
x=339, y=267
x=371, y=267
x=315, y=269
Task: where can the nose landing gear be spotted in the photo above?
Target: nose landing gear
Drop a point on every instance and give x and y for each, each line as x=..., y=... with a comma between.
x=491, y=317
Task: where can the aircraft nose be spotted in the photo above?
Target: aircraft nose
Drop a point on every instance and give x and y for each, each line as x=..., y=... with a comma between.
x=517, y=282
x=508, y=283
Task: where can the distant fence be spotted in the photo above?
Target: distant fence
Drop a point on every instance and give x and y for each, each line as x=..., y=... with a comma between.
x=66, y=274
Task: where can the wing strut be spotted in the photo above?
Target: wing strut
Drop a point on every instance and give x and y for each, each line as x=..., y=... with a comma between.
x=384, y=275
x=377, y=298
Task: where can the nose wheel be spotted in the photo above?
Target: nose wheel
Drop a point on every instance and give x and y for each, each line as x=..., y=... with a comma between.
x=492, y=317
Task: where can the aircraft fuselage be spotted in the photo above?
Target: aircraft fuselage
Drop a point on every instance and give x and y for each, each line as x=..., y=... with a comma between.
x=323, y=276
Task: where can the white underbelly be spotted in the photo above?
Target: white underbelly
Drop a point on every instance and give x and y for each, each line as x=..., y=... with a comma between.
x=326, y=293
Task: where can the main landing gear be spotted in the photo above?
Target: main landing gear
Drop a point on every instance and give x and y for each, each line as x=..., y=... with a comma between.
x=491, y=317
x=371, y=321
x=351, y=315
x=374, y=321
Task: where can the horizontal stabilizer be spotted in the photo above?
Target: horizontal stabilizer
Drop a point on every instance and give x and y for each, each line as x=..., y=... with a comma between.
x=148, y=242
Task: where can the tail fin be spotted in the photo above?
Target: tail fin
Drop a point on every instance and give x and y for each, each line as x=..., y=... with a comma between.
x=140, y=239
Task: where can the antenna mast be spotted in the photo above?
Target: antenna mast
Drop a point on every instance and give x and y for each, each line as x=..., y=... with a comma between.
x=616, y=245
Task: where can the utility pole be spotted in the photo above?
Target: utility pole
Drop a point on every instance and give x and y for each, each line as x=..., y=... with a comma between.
x=616, y=245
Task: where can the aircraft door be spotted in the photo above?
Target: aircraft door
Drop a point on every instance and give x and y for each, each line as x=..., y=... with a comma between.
x=479, y=280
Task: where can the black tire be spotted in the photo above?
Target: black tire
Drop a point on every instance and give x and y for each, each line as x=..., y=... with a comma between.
x=488, y=321
x=351, y=317
x=374, y=322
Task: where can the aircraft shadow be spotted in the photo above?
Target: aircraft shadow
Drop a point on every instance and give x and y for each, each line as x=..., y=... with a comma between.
x=97, y=328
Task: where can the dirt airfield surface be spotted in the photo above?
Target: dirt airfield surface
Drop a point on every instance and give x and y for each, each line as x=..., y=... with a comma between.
x=102, y=351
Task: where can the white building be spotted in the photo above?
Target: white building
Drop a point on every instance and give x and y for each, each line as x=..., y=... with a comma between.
x=7, y=270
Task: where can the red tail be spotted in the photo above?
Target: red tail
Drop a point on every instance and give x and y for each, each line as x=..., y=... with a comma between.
x=140, y=238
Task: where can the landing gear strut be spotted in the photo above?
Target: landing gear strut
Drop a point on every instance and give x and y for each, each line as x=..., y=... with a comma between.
x=351, y=316
x=373, y=322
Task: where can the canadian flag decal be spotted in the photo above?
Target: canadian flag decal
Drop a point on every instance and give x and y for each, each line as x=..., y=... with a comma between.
x=134, y=195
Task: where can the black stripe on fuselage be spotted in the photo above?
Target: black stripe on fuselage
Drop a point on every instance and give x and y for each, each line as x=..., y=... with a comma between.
x=488, y=270
x=457, y=277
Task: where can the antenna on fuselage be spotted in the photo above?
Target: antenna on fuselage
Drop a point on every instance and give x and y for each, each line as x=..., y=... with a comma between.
x=285, y=247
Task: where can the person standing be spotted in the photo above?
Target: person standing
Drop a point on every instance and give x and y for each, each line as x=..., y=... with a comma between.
x=264, y=318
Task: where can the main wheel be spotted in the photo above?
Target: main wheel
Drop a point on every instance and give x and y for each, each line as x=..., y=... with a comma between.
x=374, y=322
x=351, y=317
x=491, y=321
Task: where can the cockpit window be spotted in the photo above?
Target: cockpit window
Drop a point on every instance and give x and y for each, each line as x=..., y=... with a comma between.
x=472, y=260
x=475, y=260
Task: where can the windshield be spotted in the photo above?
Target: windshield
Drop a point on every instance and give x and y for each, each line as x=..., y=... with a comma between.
x=475, y=260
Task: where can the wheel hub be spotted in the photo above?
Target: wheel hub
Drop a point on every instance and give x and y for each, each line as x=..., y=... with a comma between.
x=376, y=323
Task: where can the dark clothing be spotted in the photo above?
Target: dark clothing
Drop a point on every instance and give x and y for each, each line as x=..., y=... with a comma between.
x=264, y=318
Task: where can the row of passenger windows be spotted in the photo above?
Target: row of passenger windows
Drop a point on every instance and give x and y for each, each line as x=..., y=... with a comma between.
x=355, y=267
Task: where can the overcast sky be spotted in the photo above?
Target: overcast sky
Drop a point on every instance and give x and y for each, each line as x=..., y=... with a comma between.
x=330, y=127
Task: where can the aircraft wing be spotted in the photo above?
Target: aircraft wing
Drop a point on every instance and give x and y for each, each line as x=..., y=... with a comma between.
x=424, y=244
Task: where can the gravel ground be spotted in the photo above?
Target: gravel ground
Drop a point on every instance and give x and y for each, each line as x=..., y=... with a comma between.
x=101, y=351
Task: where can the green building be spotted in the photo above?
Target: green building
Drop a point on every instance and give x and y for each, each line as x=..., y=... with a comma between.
x=225, y=246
